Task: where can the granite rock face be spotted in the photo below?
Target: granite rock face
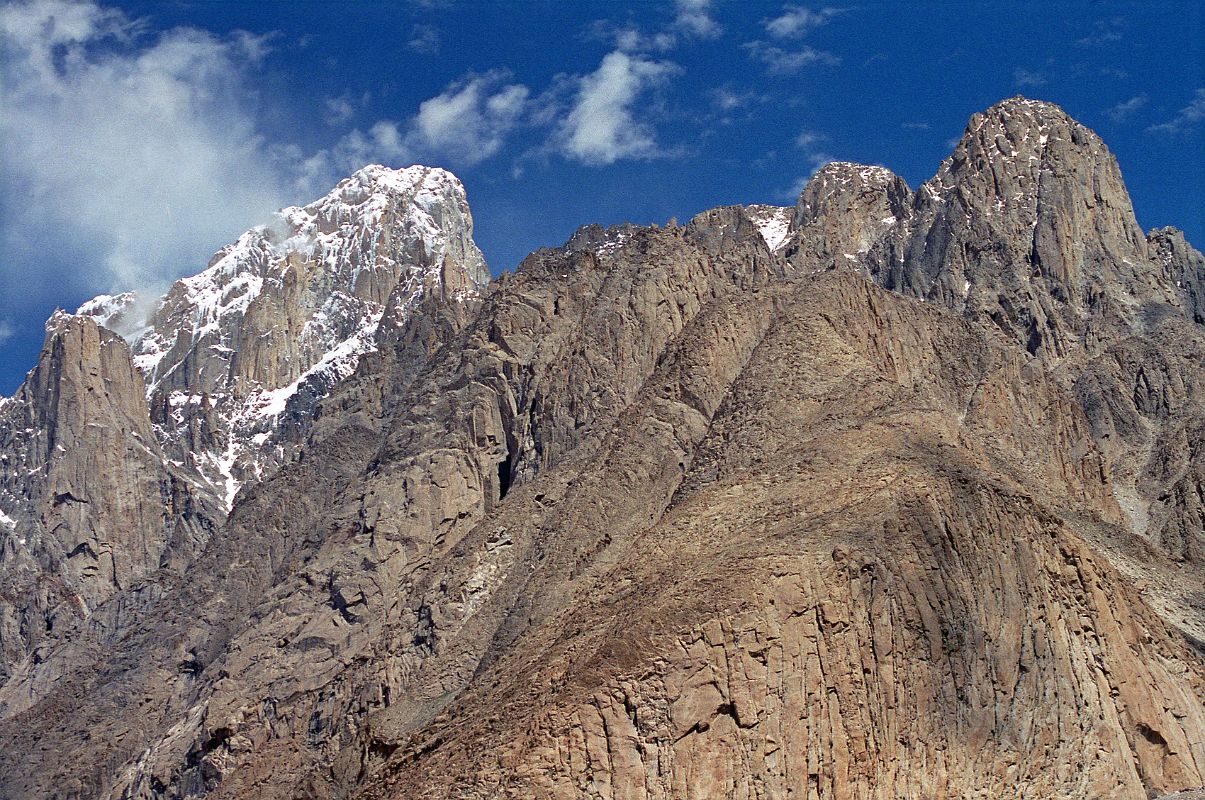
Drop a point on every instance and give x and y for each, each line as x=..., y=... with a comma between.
x=844, y=211
x=122, y=459
x=90, y=504
x=711, y=510
x=1028, y=224
x=237, y=357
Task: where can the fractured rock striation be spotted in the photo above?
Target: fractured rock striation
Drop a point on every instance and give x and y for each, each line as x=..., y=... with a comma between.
x=891, y=494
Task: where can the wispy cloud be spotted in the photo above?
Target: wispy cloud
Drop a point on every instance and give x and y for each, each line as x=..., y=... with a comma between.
x=602, y=125
x=693, y=17
x=793, y=23
x=915, y=126
x=815, y=154
x=808, y=139
x=140, y=153
x=726, y=99
x=424, y=39
x=1126, y=108
x=796, y=21
x=1104, y=31
x=6, y=331
x=779, y=60
x=135, y=156
x=338, y=111
x=629, y=38
x=1187, y=117
x=1028, y=78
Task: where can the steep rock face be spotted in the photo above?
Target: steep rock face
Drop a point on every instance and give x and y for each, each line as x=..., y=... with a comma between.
x=1145, y=399
x=1183, y=266
x=882, y=617
x=670, y=513
x=386, y=260
x=236, y=357
x=1028, y=224
x=90, y=504
x=844, y=211
x=521, y=388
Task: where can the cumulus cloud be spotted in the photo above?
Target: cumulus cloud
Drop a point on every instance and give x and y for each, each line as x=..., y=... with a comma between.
x=779, y=60
x=601, y=127
x=1125, y=109
x=1188, y=116
x=796, y=21
x=469, y=121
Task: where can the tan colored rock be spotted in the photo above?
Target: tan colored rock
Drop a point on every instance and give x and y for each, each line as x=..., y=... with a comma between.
x=670, y=513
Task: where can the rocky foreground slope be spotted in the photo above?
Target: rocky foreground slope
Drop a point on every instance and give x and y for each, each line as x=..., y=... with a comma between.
x=891, y=494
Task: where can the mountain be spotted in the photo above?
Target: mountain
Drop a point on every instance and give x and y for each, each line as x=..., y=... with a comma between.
x=126, y=455
x=891, y=493
x=236, y=357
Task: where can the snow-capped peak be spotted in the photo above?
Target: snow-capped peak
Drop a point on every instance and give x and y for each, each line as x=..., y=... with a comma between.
x=291, y=304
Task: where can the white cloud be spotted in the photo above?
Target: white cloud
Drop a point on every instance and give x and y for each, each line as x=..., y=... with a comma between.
x=1191, y=114
x=382, y=142
x=601, y=127
x=338, y=111
x=139, y=154
x=783, y=61
x=1104, y=32
x=469, y=121
x=811, y=143
x=1127, y=108
x=726, y=99
x=129, y=158
x=694, y=18
x=796, y=21
x=6, y=331
x=466, y=123
x=629, y=38
x=807, y=140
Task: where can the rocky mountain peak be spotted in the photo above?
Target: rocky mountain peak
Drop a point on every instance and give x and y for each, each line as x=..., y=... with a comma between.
x=1182, y=266
x=843, y=211
x=1028, y=223
x=1012, y=144
x=241, y=352
x=667, y=514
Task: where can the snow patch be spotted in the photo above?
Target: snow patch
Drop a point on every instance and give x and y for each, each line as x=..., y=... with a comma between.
x=333, y=261
x=773, y=223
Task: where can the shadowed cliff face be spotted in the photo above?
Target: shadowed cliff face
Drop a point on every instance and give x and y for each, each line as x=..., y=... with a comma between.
x=711, y=511
x=93, y=506
x=121, y=459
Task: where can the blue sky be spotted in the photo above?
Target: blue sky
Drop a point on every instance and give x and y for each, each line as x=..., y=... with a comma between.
x=138, y=138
